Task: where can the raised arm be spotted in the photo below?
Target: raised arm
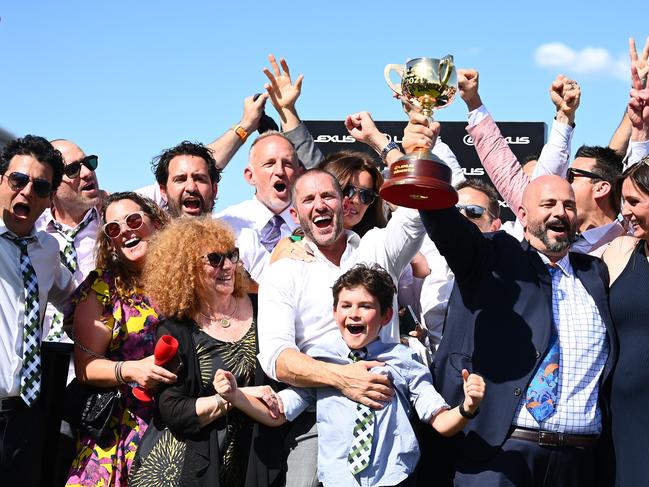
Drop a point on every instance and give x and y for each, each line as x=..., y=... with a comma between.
x=638, y=115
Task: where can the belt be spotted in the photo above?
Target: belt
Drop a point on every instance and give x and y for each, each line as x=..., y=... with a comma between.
x=10, y=403
x=551, y=438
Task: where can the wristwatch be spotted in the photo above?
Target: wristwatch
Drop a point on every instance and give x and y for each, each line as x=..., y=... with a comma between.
x=391, y=146
x=465, y=413
x=240, y=131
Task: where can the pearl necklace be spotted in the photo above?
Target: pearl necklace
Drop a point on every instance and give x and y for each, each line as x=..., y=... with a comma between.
x=223, y=320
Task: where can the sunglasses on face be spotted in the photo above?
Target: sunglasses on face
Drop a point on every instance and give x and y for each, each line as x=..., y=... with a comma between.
x=73, y=169
x=216, y=259
x=580, y=173
x=18, y=181
x=113, y=229
x=365, y=196
x=474, y=212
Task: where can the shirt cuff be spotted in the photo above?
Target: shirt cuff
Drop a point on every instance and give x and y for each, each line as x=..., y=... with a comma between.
x=478, y=115
x=292, y=402
x=636, y=151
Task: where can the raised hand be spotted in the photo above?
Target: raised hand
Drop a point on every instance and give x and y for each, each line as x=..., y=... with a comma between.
x=252, y=112
x=419, y=133
x=638, y=108
x=282, y=91
x=565, y=93
x=468, y=82
x=640, y=63
x=474, y=389
x=361, y=126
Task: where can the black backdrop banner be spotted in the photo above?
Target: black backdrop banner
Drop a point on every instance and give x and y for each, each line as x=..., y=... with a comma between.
x=524, y=138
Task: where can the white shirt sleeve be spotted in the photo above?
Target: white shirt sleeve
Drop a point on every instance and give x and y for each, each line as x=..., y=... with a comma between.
x=445, y=153
x=635, y=152
x=555, y=155
x=295, y=400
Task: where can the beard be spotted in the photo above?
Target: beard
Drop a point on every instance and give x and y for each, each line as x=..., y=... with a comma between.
x=554, y=245
x=322, y=240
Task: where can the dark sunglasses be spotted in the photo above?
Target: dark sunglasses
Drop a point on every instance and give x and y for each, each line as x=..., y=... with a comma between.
x=580, y=173
x=365, y=196
x=73, y=169
x=133, y=221
x=216, y=259
x=18, y=181
x=474, y=212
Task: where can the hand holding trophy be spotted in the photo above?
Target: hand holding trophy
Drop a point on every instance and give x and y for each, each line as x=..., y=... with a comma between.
x=420, y=179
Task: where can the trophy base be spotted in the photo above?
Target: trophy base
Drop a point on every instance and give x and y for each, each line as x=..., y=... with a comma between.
x=421, y=181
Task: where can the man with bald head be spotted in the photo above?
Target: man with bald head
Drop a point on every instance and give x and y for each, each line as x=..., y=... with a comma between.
x=532, y=318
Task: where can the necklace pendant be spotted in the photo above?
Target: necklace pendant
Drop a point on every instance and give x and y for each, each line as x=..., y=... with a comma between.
x=224, y=322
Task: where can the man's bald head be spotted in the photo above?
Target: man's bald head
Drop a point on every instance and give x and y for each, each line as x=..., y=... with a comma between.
x=549, y=215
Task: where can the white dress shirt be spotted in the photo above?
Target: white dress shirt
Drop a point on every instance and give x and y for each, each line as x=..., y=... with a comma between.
x=55, y=284
x=247, y=220
x=295, y=298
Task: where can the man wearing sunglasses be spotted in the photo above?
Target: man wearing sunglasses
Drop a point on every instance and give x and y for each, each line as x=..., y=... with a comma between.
x=30, y=275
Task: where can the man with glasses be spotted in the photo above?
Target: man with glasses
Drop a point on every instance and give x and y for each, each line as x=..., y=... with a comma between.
x=30, y=274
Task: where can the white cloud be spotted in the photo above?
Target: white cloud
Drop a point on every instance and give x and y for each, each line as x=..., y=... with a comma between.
x=590, y=60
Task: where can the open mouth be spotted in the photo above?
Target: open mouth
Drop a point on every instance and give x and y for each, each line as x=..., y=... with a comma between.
x=224, y=278
x=192, y=204
x=129, y=244
x=557, y=227
x=355, y=329
x=21, y=210
x=322, y=221
x=280, y=186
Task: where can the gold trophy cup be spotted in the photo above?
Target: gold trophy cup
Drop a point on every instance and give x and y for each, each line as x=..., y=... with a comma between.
x=421, y=179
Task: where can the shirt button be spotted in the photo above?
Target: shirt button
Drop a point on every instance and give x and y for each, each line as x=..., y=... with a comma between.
x=517, y=391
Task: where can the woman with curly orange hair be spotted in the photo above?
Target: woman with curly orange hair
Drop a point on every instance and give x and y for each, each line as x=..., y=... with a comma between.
x=193, y=276
x=114, y=332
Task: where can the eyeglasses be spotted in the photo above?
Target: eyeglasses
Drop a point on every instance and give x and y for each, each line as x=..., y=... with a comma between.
x=365, y=196
x=474, y=212
x=216, y=259
x=73, y=169
x=580, y=173
x=133, y=221
x=18, y=180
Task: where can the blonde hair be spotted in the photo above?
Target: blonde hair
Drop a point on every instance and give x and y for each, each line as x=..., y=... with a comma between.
x=173, y=269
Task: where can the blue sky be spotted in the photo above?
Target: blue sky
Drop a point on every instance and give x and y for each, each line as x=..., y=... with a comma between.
x=125, y=80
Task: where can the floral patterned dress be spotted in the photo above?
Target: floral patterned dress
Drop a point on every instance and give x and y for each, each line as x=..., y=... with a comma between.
x=133, y=325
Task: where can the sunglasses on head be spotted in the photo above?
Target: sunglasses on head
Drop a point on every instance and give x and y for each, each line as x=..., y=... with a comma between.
x=365, y=196
x=474, y=211
x=580, y=173
x=73, y=169
x=113, y=229
x=18, y=180
x=216, y=259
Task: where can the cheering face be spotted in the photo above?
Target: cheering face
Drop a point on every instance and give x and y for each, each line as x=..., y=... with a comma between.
x=25, y=192
x=636, y=208
x=80, y=192
x=360, y=194
x=358, y=316
x=129, y=229
x=218, y=270
x=272, y=170
x=318, y=207
x=189, y=190
x=549, y=215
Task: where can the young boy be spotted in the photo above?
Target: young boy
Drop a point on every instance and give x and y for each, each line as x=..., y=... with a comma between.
x=358, y=445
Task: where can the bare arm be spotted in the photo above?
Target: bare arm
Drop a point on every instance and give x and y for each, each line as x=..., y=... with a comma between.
x=449, y=421
x=283, y=92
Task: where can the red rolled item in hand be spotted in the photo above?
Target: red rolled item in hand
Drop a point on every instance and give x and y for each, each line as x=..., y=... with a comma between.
x=165, y=350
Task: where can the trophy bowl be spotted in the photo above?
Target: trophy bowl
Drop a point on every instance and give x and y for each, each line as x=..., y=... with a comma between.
x=420, y=179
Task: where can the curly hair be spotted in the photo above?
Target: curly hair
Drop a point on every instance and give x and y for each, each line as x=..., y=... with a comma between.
x=40, y=149
x=173, y=270
x=343, y=165
x=126, y=279
x=160, y=163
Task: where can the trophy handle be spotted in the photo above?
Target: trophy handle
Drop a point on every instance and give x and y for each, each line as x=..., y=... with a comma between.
x=386, y=72
x=448, y=62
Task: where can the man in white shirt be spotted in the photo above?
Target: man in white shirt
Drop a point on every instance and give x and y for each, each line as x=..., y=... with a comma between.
x=31, y=274
x=295, y=303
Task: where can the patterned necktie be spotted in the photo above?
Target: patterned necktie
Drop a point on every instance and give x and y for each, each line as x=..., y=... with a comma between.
x=272, y=232
x=69, y=253
x=30, y=378
x=542, y=393
x=360, y=451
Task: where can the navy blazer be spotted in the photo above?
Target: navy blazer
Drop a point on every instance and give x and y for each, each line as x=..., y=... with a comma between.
x=498, y=321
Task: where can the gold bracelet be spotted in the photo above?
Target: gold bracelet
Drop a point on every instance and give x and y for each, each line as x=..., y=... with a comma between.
x=118, y=373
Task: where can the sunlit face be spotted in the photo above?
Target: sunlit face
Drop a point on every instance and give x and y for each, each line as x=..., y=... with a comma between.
x=358, y=316
x=272, y=169
x=189, y=190
x=636, y=208
x=355, y=209
x=550, y=217
x=471, y=196
x=77, y=194
x=131, y=244
x=318, y=208
x=22, y=207
x=219, y=279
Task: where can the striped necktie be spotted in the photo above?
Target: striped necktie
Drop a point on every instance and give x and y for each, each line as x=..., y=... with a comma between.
x=30, y=377
x=360, y=452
